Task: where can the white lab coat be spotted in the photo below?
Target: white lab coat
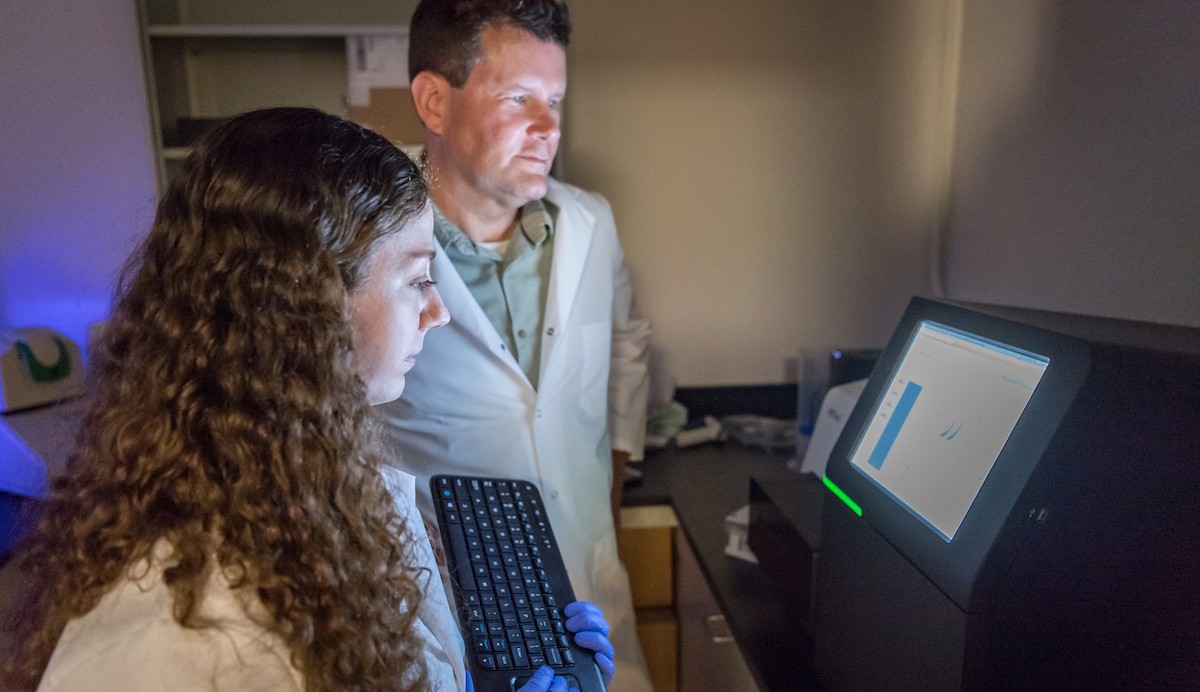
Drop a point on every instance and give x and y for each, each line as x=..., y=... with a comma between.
x=130, y=642
x=468, y=408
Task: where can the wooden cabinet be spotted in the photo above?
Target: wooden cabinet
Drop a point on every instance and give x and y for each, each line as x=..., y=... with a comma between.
x=709, y=658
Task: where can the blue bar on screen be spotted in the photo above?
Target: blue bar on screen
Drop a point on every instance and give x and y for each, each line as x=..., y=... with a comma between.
x=892, y=429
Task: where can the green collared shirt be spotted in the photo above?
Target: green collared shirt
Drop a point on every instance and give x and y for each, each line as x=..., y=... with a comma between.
x=511, y=288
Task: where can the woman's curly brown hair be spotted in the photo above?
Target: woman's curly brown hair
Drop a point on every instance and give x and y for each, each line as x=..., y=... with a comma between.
x=227, y=417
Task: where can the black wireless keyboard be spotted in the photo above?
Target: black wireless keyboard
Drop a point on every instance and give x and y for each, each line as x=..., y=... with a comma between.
x=510, y=583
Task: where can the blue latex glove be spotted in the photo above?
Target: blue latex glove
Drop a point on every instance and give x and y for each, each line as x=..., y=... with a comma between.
x=543, y=680
x=586, y=621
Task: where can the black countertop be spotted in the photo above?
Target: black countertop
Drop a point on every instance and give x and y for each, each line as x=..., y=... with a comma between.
x=703, y=484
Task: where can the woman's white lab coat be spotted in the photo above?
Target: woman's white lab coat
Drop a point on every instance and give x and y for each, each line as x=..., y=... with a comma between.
x=468, y=408
x=130, y=642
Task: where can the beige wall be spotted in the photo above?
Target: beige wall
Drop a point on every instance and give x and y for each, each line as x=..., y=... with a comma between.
x=786, y=173
x=1077, y=166
x=773, y=166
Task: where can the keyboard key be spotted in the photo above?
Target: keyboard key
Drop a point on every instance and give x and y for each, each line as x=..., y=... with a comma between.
x=519, y=657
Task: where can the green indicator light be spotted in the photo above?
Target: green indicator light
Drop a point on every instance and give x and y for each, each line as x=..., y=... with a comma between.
x=841, y=495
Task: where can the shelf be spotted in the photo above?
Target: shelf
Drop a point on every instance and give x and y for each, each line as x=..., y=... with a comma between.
x=206, y=60
x=273, y=30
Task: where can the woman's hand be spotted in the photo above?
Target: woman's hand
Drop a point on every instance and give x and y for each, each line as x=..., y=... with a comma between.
x=586, y=621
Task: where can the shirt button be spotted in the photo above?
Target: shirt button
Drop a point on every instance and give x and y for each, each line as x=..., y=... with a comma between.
x=553, y=494
x=550, y=331
x=521, y=333
x=539, y=413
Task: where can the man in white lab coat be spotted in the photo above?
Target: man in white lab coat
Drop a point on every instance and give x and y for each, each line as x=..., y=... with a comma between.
x=542, y=372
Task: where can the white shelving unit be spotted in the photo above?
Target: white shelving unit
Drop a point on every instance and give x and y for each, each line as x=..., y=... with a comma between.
x=210, y=59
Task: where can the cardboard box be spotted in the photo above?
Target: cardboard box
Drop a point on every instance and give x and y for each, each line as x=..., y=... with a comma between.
x=392, y=114
x=658, y=631
x=646, y=553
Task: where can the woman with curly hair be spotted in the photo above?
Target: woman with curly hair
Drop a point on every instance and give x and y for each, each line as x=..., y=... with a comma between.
x=226, y=521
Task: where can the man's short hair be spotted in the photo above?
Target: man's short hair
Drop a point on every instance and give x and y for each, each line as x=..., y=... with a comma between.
x=444, y=34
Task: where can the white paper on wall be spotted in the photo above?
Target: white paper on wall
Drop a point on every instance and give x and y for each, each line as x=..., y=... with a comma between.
x=374, y=61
